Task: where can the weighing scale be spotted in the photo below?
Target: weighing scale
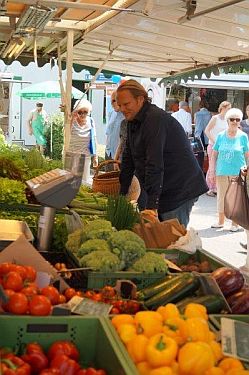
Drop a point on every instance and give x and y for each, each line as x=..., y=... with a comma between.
x=53, y=190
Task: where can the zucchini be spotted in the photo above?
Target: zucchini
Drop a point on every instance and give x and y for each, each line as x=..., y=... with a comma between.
x=213, y=303
x=179, y=288
x=155, y=288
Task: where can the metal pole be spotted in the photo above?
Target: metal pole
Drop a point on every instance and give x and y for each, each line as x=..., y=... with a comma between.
x=45, y=228
x=67, y=130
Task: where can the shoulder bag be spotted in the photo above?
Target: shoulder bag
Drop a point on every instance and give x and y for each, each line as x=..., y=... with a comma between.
x=236, y=205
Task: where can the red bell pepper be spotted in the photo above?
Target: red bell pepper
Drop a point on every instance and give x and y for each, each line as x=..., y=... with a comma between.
x=37, y=360
x=65, y=365
x=63, y=347
x=14, y=366
x=50, y=371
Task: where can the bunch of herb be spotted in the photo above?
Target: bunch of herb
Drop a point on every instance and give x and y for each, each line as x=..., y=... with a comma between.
x=12, y=191
x=121, y=213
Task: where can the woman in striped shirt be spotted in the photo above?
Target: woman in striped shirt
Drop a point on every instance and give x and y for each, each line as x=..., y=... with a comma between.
x=83, y=135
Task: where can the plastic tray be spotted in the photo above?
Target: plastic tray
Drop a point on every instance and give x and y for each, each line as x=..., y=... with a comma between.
x=10, y=230
x=93, y=337
x=215, y=319
x=180, y=257
x=97, y=280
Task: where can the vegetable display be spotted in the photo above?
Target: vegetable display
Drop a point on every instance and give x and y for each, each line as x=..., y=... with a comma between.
x=229, y=280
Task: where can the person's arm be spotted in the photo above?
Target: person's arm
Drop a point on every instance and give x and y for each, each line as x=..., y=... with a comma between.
x=209, y=128
x=95, y=156
x=29, y=123
x=189, y=124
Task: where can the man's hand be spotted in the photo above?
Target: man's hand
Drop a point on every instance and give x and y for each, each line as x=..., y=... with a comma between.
x=150, y=215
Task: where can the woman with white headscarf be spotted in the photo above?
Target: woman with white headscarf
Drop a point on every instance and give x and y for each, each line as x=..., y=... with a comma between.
x=83, y=135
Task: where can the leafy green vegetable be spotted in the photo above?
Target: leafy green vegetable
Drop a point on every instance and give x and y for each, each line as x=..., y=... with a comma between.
x=99, y=228
x=74, y=241
x=150, y=263
x=128, y=246
x=12, y=191
x=121, y=213
x=101, y=260
x=92, y=245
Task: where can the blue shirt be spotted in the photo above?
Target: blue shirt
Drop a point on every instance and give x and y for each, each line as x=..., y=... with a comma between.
x=202, y=118
x=112, y=132
x=231, y=153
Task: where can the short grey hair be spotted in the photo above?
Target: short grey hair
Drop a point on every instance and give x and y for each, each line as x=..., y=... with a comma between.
x=183, y=104
x=82, y=104
x=234, y=113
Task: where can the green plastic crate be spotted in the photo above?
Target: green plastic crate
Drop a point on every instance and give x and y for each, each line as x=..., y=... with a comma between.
x=92, y=335
x=180, y=257
x=97, y=280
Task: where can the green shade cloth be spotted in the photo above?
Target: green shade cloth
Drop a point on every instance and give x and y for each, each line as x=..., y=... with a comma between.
x=46, y=90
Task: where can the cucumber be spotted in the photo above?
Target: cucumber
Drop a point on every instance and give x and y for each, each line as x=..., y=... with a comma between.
x=179, y=288
x=155, y=288
x=213, y=303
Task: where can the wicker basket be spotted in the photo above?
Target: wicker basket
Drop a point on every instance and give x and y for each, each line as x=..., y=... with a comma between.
x=106, y=182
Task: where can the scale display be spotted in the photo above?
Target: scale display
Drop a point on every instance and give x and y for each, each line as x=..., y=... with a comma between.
x=55, y=188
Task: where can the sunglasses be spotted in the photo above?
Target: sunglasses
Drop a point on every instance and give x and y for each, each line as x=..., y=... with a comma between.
x=234, y=119
x=82, y=113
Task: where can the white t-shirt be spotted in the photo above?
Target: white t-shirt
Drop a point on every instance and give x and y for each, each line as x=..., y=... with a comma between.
x=220, y=125
x=184, y=118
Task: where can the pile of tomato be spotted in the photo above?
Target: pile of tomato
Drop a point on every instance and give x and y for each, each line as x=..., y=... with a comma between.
x=109, y=295
x=23, y=294
x=62, y=358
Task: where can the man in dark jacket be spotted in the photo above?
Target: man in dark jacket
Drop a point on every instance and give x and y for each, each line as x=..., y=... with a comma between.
x=159, y=152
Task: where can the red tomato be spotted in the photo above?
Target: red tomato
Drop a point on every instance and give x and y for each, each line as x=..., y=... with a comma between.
x=13, y=281
x=8, y=292
x=132, y=307
x=101, y=372
x=79, y=293
x=19, y=269
x=97, y=297
x=30, y=273
x=4, y=268
x=115, y=310
x=40, y=306
x=18, y=303
x=63, y=347
x=50, y=371
x=89, y=294
x=91, y=371
x=29, y=291
x=52, y=293
x=69, y=293
x=108, y=292
x=33, y=347
x=82, y=371
x=62, y=299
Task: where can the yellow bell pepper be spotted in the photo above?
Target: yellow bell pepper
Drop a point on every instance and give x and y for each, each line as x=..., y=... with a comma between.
x=161, y=371
x=143, y=368
x=169, y=311
x=230, y=363
x=195, y=358
x=148, y=323
x=120, y=319
x=197, y=329
x=214, y=371
x=161, y=350
x=237, y=372
x=217, y=350
x=196, y=310
x=175, y=328
x=175, y=367
x=127, y=332
x=137, y=348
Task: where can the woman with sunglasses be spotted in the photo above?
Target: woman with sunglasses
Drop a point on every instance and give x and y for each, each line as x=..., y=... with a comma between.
x=83, y=135
x=230, y=154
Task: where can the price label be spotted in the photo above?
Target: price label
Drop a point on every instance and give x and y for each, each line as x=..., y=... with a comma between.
x=235, y=338
x=86, y=306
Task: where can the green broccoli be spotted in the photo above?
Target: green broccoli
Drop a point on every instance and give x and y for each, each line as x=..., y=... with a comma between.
x=92, y=245
x=150, y=263
x=101, y=260
x=74, y=240
x=128, y=246
x=99, y=228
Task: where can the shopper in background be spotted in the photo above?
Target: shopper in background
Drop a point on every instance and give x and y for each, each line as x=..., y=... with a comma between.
x=83, y=135
x=113, y=131
x=230, y=154
x=184, y=117
x=217, y=124
x=158, y=152
x=202, y=118
x=244, y=125
x=37, y=121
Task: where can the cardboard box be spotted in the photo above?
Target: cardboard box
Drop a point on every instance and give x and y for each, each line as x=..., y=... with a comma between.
x=11, y=230
x=160, y=234
x=22, y=252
